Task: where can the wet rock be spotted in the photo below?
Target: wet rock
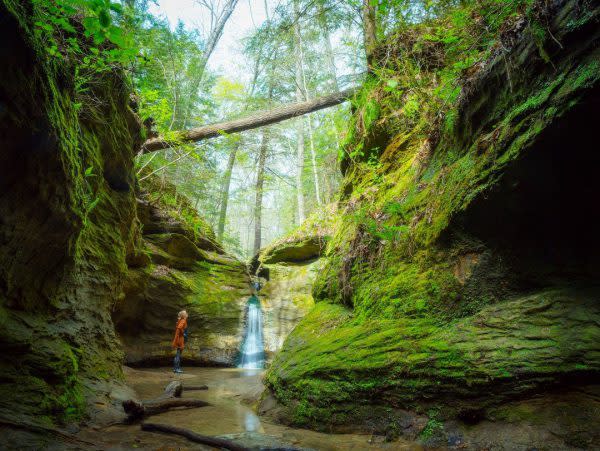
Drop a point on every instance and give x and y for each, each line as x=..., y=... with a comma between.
x=286, y=298
x=258, y=441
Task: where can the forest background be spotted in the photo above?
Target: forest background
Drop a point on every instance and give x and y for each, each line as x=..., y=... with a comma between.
x=258, y=185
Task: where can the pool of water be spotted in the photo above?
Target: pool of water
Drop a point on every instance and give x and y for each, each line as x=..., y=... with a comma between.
x=231, y=392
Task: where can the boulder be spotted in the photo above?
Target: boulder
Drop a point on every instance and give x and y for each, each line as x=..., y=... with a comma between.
x=295, y=251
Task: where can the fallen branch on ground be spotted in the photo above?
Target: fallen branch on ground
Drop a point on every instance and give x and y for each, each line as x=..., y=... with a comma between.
x=170, y=399
x=138, y=410
x=190, y=435
x=195, y=387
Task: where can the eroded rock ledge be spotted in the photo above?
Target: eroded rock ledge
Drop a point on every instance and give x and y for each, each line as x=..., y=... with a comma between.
x=487, y=291
x=182, y=267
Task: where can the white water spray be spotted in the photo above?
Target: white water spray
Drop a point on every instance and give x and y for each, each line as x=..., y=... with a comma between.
x=253, y=353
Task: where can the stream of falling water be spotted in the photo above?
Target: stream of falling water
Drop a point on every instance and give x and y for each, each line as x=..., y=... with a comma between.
x=252, y=352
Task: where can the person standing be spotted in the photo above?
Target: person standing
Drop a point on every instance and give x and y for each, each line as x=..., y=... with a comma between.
x=179, y=340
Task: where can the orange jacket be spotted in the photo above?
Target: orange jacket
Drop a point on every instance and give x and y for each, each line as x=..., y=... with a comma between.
x=178, y=341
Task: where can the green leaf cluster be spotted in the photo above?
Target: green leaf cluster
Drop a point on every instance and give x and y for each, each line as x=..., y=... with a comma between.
x=85, y=33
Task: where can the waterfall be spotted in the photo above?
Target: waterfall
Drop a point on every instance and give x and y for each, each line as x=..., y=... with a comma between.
x=252, y=353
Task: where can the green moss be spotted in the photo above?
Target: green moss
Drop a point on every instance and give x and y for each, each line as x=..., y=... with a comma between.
x=164, y=196
x=88, y=193
x=433, y=427
x=334, y=360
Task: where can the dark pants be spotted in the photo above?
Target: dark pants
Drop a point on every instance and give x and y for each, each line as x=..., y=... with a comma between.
x=177, y=360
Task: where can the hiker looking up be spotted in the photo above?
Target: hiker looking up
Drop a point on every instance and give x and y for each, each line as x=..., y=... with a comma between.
x=179, y=340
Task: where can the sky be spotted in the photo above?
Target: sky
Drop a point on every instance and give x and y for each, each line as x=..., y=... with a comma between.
x=227, y=57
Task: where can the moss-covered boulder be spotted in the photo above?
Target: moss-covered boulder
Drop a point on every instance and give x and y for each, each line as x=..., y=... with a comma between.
x=462, y=269
x=304, y=244
x=300, y=250
x=161, y=209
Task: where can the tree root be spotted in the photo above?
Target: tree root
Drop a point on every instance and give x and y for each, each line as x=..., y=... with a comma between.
x=190, y=435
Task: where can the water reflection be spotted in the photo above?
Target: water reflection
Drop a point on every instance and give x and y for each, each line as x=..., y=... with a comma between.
x=251, y=422
x=231, y=393
x=250, y=371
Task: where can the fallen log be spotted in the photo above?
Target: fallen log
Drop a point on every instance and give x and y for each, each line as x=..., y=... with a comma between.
x=256, y=120
x=137, y=410
x=195, y=387
x=190, y=435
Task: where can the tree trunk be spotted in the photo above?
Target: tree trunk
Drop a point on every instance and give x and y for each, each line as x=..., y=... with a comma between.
x=225, y=191
x=313, y=157
x=212, y=41
x=195, y=387
x=138, y=410
x=332, y=70
x=299, y=171
x=300, y=123
x=253, y=121
x=311, y=140
x=260, y=179
x=171, y=398
x=370, y=30
x=328, y=47
x=231, y=161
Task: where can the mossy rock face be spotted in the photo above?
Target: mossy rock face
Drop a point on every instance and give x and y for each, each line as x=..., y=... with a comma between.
x=287, y=270
x=214, y=296
x=174, y=250
x=286, y=297
x=462, y=268
x=503, y=352
x=303, y=244
x=213, y=288
x=68, y=221
x=296, y=251
x=161, y=209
